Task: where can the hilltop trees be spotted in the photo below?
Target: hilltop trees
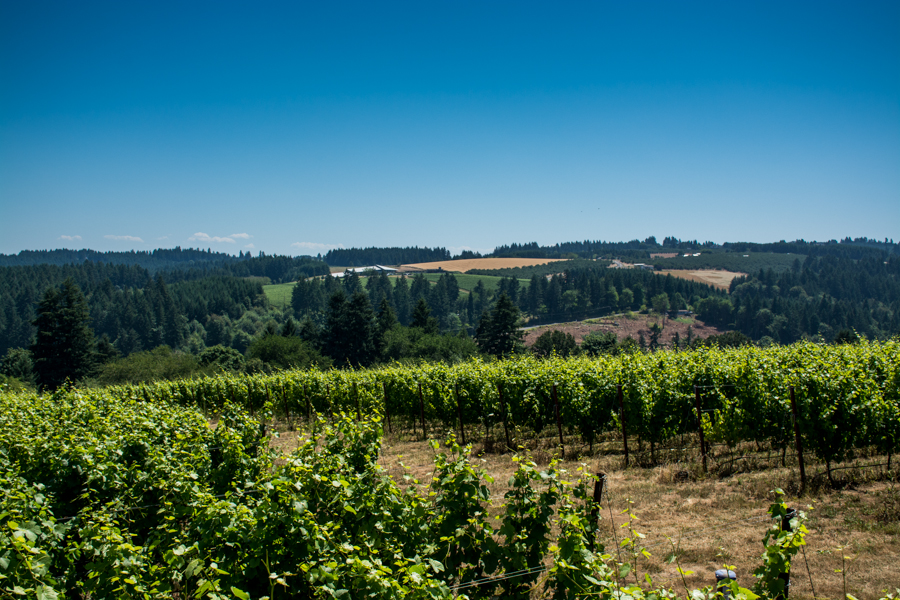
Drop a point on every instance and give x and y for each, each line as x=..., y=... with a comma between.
x=64, y=346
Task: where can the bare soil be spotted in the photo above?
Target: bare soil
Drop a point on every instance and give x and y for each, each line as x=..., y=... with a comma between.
x=631, y=324
x=463, y=266
x=714, y=277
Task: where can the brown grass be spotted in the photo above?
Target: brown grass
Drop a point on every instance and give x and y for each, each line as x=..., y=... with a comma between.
x=714, y=277
x=463, y=266
x=712, y=519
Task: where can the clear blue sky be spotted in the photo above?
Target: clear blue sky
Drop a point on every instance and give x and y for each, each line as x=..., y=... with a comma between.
x=296, y=127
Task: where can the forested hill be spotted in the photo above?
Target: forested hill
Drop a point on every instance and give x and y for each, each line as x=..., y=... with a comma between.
x=201, y=262
x=641, y=250
x=152, y=260
x=137, y=307
x=364, y=257
x=128, y=305
x=816, y=298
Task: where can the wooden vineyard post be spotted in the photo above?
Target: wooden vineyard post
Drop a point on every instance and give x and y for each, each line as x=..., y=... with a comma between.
x=785, y=576
x=422, y=412
x=556, y=410
x=286, y=408
x=798, y=440
x=328, y=400
x=622, y=418
x=503, y=410
x=462, y=428
x=356, y=398
x=595, y=509
x=700, y=426
x=387, y=415
x=308, y=404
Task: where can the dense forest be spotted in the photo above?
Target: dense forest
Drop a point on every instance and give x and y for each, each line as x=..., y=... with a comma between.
x=816, y=298
x=211, y=307
x=366, y=257
x=640, y=251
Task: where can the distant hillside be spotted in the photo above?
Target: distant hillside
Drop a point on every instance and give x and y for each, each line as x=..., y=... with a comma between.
x=365, y=257
x=640, y=251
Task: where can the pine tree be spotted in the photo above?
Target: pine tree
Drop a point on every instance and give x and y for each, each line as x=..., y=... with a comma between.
x=498, y=331
x=64, y=345
x=422, y=318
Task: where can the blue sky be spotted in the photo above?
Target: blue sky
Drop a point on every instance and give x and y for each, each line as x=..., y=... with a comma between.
x=292, y=128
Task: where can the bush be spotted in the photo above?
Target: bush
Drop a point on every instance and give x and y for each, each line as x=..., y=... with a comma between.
x=221, y=357
x=600, y=342
x=286, y=353
x=550, y=342
x=152, y=365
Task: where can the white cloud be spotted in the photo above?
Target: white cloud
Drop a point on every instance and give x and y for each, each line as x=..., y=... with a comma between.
x=205, y=237
x=124, y=238
x=241, y=236
x=70, y=238
x=249, y=246
x=454, y=250
x=315, y=246
x=165, y=237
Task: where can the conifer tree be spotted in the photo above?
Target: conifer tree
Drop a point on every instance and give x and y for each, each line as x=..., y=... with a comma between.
x=498, y=332
x=64, y=345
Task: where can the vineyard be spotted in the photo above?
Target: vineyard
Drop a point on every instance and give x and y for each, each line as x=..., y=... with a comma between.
x=845, y=397
x=129, y=492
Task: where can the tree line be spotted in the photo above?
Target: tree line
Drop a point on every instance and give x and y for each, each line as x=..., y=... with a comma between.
x=366, y=257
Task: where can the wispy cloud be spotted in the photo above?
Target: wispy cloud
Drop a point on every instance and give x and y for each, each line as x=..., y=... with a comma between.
x=249, y=246
x=205, y=237
x=240, y=236
x=315, y=246
x=70, y=238
x=124, y=238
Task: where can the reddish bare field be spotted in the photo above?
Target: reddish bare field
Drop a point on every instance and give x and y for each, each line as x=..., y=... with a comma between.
x=463, y=266
x=624, y=326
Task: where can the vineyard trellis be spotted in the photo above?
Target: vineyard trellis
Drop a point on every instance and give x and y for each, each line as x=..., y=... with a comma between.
x=847, y=397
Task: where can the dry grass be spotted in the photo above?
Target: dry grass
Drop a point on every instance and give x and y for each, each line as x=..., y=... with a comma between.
x=463, y=266
x=712, y=519
x=714, y=277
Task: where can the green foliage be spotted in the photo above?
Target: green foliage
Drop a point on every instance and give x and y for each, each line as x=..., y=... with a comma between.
x=410, y=343
x=63, y=349
x=555, y=342
x=782, y=541
x=221, y=357
x=161, y=363
x=17, y=364
x=598, y=343
x=498, y=332
x=286, y=353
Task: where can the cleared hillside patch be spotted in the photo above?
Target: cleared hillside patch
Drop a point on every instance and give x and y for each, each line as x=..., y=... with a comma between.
x=465, y=265
x=714, y=277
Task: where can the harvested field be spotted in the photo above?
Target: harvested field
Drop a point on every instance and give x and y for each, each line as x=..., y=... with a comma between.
x=463, y=266
x=714, y=277
x=623, y=326
x=711, y=519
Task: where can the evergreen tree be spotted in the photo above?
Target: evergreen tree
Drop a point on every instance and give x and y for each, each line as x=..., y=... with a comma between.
x=422, y=318
x=350, y=340
x=64, y=345
x=498, y=332
x=402, y=300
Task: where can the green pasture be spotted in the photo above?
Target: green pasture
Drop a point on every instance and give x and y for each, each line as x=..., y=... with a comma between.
x=279, y=294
